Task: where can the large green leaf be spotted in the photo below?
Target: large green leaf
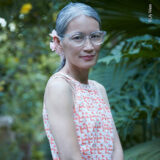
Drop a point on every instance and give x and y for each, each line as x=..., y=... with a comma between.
x=146, y=151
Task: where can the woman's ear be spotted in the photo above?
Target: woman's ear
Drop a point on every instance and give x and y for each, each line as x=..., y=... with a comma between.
x=59, y=48
x=56, y=40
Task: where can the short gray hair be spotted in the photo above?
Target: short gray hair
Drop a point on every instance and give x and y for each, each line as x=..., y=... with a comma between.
x=70, y=11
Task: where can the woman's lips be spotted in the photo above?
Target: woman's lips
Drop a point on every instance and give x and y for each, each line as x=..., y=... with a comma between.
x=88, y=57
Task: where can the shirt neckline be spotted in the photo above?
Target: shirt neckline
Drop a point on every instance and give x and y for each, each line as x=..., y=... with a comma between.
x=82, y=84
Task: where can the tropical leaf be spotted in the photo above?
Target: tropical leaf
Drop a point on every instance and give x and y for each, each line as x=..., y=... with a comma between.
x=145, y=151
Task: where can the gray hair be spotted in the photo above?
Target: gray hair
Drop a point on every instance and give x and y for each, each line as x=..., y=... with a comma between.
x=68, y=13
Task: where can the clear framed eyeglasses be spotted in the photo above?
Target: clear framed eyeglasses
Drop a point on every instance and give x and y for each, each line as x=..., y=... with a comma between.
x=79, y=38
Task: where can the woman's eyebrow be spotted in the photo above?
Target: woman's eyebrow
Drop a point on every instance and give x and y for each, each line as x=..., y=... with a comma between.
x=78, y=33
x=74, y=33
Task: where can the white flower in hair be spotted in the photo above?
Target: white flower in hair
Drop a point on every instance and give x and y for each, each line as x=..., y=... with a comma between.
x=54, y=46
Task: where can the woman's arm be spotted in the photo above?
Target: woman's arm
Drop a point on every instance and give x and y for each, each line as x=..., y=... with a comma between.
x=59, y=103
x=118, y=151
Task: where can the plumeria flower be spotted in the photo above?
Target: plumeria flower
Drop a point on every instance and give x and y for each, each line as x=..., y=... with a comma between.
x=53, y=33
x=53, y=45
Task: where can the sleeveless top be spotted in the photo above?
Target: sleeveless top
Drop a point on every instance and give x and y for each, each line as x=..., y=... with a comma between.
x=93, y=121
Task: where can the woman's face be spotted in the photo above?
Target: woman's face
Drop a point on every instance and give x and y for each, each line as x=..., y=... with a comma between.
x=75, y=55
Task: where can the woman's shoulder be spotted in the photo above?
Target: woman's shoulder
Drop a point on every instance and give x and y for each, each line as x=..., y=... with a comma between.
x=57, y=91
x=57, y=84
x=58, y=96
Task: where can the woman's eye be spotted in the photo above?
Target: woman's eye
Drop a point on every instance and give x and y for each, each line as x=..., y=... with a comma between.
x=95, y=36
x=78, y=37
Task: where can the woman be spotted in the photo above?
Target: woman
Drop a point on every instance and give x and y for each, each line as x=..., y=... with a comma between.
x=76, y=113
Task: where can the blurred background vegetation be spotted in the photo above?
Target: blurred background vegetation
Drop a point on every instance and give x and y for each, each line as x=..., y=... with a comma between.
x=128, y=67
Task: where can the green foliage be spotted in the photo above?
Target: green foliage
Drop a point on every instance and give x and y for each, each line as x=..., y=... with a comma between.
x=145, y=151
x=133, y=89
x=9, y=151
x=26, y=63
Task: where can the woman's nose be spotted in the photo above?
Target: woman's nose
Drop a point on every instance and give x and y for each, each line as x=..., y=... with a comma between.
x=88, y=44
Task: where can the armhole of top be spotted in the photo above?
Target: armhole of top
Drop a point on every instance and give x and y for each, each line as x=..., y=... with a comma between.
x=69, y=82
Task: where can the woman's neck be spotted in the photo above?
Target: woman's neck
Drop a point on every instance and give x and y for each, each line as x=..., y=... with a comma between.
x=80, y=75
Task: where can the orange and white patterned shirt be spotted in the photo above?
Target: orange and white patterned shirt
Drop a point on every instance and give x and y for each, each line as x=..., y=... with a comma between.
x=93, y=121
